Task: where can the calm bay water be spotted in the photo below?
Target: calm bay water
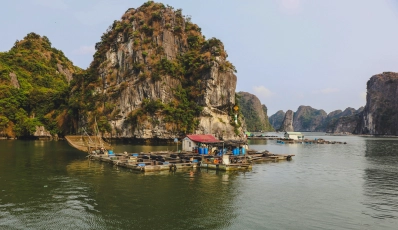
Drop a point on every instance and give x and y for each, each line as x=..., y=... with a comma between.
x=50, y=185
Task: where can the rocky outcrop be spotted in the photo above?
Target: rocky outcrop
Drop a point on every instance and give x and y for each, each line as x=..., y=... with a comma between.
x=277, y=119
x=287, y=124
x=341, y=121
x=267, y=125
x=14, y=80
x=42, y=132
x=308, y=119
x=66, y=72
x=160, y=78
x=255, y=114
x=380, y=115
x=347, y=124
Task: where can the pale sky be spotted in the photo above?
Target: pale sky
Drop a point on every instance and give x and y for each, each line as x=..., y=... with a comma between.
x=289, y=53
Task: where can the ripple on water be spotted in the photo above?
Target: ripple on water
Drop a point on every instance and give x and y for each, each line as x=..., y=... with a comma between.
x=350, y=186
x=67, y=199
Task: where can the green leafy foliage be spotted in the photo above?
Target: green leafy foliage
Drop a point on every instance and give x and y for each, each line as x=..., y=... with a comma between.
x=252, y=114
x=39, y=92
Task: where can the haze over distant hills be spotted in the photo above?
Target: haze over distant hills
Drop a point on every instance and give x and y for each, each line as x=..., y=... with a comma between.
x=308, y=119
x=378, y=117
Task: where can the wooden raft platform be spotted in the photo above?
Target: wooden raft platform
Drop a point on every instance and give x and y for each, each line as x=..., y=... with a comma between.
x=162, y=161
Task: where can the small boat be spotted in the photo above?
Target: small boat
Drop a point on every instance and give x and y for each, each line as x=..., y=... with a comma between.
x=90, y=144
x=87, y=143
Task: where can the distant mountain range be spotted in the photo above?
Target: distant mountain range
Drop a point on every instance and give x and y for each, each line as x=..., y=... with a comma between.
x=378, y=117
x=308, y=119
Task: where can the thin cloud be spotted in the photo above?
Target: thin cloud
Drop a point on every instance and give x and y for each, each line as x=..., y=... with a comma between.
x=290, y=6
x=326, y=91
x=262, y=92
x=54, y=4
x=84, y=50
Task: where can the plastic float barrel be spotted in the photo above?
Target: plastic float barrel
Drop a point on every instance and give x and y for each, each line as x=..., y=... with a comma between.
x=206, y=151
x=110, y=152
x=243, y=151
x=134, y=154
x=201, y=150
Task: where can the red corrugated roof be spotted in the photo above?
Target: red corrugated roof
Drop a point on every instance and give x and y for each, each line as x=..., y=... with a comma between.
x=203, y=138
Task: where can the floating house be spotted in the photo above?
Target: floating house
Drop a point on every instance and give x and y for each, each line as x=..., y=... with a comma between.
x=294, y=135
x=248, y=134
x=193, y=142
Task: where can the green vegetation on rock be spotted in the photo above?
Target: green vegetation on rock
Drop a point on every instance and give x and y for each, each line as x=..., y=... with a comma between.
x=196, y=58
x=34, y=87
x=150, y=81
x=255, y=114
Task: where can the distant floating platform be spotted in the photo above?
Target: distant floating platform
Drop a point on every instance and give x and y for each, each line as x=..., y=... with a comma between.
x=305, y=141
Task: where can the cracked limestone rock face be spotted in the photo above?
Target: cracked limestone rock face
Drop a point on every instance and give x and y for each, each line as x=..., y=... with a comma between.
x=287, y=124
x=380, y=115
x=128, y=66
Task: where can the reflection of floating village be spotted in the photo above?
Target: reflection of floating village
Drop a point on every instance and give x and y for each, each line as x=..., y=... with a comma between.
x=198, y=151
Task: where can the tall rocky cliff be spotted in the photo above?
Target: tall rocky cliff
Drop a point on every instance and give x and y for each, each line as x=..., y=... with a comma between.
x=154, y=75
x=343, y=121
x=255, y=114
x=287, y=124
x=308, y=119
x=277, y=119
x=380, y=115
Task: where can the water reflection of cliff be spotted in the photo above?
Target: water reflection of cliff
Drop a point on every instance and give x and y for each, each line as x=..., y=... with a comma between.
x=381, y=178
x=49, y=185
x=192, y=199
x=35, y=190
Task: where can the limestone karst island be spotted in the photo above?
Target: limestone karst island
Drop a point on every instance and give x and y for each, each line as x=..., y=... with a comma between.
x=155, y=76
x=161, y=129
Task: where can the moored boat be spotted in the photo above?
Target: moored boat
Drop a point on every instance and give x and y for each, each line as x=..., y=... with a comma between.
x=87, y=143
